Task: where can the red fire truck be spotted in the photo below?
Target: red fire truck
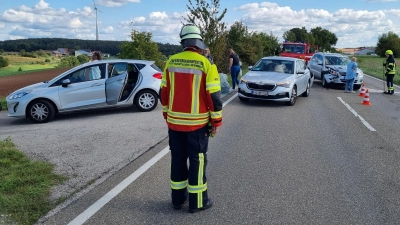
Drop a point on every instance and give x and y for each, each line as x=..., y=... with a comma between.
x=298, y=50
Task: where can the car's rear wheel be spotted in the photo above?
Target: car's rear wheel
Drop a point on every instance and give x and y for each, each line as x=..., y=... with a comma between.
x=146, y=100
x=293, y=97
x=243, y=99
x=307, y=92
x=41, y=111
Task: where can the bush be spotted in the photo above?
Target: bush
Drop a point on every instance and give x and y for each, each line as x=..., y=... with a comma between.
x=3, y=62
x=20, y=69
x=47, y=60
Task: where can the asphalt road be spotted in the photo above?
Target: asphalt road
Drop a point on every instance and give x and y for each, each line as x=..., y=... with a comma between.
x=327, y=160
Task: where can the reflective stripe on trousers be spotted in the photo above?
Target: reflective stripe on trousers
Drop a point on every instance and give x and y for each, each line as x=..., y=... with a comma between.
x=193, y=146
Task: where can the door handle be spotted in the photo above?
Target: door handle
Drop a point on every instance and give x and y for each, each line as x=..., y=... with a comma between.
x=96, y=84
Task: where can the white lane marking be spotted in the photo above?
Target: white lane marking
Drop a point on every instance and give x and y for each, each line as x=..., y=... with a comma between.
x=89, y=212
x=356, y=115
x=229, y=100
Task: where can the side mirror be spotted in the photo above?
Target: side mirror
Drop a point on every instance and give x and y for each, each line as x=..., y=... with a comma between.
x=65, y=83
x=250, y=67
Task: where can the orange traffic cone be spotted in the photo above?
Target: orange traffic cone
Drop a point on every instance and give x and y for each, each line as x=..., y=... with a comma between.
x=366, y=98
x=362, y=92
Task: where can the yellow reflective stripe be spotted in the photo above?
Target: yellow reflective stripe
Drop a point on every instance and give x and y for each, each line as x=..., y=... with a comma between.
x=391, y=88
x=163, y=83
x=197, y=188
x=216, y=114
x=187, y=122
x=195, y=94
x=172, y=90
x=179, y=185
x=165, y=108
x=188, y=115
x=200, y=180
x=185, y=70
x=209, y=86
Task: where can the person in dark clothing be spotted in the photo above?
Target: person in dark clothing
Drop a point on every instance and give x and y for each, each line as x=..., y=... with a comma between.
x=207, y=54
x=234, y=68
x=390, y=66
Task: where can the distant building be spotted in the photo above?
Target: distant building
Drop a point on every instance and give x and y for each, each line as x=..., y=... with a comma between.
x=61, y=52
x=83, y=52
x=357, y=51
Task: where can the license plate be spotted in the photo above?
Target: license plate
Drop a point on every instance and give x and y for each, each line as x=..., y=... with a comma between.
x=261, y=93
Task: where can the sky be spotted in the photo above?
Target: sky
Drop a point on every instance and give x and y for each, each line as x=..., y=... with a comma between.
x=355, y=23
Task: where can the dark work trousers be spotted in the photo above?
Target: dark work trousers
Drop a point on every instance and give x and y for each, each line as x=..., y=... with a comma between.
x=389, y=83
x=192, y=145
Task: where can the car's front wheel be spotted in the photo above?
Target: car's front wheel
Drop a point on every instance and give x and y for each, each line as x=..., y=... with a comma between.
x=293, y=97
x=324, y=84
x=146, y=100
x=41, y=111
x=307, y=92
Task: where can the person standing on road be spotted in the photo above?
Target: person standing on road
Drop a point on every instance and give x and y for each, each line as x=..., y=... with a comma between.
x=390, y=66
x=207, y=54
x=192, y=107
x=234, y=67
x=351, y=74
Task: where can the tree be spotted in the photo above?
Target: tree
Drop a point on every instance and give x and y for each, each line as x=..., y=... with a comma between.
x=301, y=34
x=83, y=58
x=209, y=20
x=389, y=41
x=141, y=47
x=324, y=38
x=68, y=61
x=289, y=36
x=3, y=62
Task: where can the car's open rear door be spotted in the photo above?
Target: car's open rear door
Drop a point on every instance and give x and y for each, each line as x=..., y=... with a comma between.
x=117, y=79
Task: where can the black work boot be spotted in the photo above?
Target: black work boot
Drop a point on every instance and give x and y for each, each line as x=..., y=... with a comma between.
x=205, y=206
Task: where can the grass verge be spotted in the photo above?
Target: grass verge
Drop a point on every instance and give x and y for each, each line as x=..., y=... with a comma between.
x=25, y=186
x=3, y=103
x=372, y=66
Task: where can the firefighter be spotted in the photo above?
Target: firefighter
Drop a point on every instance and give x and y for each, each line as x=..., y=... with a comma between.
x=390, y=66
x=192, y=107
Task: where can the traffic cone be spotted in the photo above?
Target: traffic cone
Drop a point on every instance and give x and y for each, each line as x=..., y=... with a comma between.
x=366, y=98
x=362, y=92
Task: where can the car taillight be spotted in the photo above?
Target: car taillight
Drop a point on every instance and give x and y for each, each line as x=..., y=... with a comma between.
x=157, y=75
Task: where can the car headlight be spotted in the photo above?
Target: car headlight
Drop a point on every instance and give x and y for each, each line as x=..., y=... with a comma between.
x=19, y=94
x=332, y=71
x=243, y=81
x=285, y=84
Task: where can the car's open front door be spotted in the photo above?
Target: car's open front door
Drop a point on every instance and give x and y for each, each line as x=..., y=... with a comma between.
x=117, y=78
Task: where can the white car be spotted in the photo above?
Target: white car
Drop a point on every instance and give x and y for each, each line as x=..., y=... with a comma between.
x=276, y=79
x=93, y=85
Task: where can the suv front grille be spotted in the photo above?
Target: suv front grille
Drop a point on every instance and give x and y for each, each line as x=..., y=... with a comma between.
x=265, y=87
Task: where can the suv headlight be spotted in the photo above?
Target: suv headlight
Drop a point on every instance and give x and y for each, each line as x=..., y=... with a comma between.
x=285, y=84
x=19, y=94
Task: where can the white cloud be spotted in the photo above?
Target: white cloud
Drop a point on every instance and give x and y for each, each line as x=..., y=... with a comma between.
x=115, y=3
x=108, y=30
x=2, y=25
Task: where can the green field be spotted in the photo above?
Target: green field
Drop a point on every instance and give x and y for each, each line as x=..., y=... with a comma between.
x=13, y=69
x=19, y=64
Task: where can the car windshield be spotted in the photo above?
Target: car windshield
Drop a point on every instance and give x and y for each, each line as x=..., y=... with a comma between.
x=336, y=60
x=274, y=65
x=293, y=48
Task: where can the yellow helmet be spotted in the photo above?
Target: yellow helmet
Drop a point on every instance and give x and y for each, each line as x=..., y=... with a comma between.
x=388, y=52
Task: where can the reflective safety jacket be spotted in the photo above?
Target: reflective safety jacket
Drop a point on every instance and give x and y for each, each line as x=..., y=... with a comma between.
x=390, y=66
x=191, y=92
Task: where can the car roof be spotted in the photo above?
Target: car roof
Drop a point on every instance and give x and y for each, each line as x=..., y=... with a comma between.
x=280, y=58
x=330, y=54
x=120, y=60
